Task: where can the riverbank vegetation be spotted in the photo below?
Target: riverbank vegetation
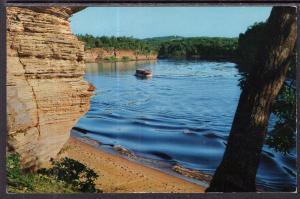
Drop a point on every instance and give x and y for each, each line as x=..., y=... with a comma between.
x=211, y=48
x=176, y=47
x=65, y=176
x=116, y=43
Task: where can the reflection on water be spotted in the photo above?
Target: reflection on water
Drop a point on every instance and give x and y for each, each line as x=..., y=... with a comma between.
x=117, y=68
x=182, y=115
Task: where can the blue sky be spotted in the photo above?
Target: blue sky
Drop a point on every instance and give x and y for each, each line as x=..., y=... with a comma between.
x=143, y=22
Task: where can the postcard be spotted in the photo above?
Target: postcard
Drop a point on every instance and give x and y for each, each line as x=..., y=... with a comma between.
x=151, y=99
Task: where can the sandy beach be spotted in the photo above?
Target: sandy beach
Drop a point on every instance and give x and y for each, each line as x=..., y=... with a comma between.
x=119, y=175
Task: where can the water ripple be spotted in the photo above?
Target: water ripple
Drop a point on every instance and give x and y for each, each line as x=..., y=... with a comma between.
x=182, y=115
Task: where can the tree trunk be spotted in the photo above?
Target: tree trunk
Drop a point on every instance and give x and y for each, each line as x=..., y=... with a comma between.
x=237, y=171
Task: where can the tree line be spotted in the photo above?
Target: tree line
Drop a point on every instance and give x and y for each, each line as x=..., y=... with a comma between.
x=116, y=43
x=168, y=47
x=199, y=48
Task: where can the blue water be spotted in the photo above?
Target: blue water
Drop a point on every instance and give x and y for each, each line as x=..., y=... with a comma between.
x=182, y=115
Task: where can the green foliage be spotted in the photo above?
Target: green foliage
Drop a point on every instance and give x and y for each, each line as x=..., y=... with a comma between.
x=163, y=39
x=119, y=43
x=199, y=48
x=282, y=137
x=20, y=182
x=248, y=43
x=156, y=42
x=168, y=47
x=14, y=175
x=125, y=58
x=111, y=59
x=66, y=176
x=74, y=173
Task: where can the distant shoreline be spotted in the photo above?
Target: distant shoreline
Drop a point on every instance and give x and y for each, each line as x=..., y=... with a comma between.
x=94, y=55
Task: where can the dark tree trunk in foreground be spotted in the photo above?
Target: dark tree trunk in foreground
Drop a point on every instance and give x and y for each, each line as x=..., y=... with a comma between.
x=237, y=171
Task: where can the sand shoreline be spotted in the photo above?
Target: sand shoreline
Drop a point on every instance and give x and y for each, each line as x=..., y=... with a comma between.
x=119, y=175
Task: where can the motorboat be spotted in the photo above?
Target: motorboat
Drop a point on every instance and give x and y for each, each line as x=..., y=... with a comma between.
x=143, y=73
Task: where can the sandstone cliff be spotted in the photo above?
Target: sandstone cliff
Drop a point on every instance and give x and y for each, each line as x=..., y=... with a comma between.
x=98, y=54
x=46, y=93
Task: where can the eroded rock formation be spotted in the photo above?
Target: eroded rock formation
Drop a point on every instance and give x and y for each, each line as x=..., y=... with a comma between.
x=46, y=93
x=98, y=54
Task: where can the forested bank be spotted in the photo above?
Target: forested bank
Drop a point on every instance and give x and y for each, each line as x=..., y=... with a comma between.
x=174, y=47
x=210, y=48
x=116, y=43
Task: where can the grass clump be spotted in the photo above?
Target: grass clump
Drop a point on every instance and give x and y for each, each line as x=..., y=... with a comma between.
x=125, y=58
x=66, y=176
x=111, y=59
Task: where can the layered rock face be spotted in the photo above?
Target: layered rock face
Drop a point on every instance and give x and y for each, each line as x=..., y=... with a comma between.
x=46, y=93
x=97, y=54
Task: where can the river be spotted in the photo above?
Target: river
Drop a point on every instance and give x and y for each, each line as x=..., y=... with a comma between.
x=182, y=115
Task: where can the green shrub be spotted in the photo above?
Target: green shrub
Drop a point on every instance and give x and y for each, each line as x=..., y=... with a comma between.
x=15, y=178
x=66, y=176
x=111, y=59
x=21, y=182
x=125, y=58
x=74, y=173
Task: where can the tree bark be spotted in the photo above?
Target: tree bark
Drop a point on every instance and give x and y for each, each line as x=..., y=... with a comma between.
x=237, y=171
